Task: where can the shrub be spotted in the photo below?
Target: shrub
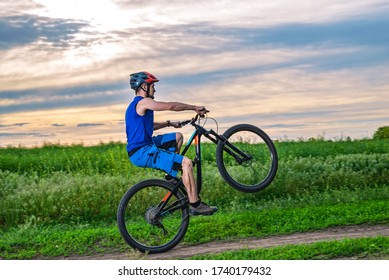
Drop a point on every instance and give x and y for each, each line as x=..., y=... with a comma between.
x=382, y=133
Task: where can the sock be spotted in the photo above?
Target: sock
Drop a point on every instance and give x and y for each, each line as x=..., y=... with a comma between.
x=196, y=204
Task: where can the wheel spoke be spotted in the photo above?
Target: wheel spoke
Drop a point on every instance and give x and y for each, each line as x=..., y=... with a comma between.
x=251, y=174
x=147, y=227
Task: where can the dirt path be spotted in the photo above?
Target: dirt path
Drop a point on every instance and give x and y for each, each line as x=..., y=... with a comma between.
x=184, y=252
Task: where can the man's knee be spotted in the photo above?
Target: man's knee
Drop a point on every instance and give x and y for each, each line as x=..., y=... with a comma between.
x=179, y=138
x=187, y=163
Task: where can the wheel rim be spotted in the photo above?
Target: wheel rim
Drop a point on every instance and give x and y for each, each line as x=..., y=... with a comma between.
x=146, y=228
x=252, y=172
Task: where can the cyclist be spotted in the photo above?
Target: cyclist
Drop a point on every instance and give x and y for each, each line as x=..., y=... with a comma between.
x=161, y=151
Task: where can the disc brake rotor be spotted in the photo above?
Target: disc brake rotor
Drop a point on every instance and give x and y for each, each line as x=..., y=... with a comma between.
x=152, y=217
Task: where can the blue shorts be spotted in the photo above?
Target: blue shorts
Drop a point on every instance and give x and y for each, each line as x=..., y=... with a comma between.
x=160, y=155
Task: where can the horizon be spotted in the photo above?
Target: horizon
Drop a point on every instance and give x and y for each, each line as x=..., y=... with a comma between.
x=187, y=134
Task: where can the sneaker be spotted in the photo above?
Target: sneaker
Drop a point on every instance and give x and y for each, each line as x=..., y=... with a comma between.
x=202, y=209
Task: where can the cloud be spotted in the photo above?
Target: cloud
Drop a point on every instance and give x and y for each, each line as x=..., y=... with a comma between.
x=17, y=7
x=25, y=29
x=89, y=124
x=250, y=13
x=183, y=55
x=14, y=124
x=21, y=134
x=284, y=62
x=281, y=125
x=354, y=31
x=39, y=99
x=181, y=51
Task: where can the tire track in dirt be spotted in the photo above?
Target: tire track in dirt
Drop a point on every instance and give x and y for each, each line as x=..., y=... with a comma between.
x=185, y=252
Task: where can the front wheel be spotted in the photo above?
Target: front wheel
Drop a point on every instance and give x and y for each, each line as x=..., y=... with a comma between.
x=247, y=158
x=153, y=216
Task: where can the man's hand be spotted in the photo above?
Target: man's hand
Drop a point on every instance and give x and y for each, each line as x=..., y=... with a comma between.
x=176, y=124
x=201, y=110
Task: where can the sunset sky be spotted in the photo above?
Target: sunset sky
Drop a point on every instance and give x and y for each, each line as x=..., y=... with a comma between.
x=295, y=68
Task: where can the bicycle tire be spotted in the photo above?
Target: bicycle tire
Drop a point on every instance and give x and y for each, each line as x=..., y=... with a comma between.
x=137, y=225
x=251, y=175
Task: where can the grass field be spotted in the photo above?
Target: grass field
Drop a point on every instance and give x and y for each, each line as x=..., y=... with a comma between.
x=62, y=200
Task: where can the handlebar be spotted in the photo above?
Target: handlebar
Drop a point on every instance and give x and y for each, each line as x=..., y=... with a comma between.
x=193, y=120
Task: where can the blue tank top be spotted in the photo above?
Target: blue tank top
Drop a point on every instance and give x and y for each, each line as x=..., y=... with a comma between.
x=139, y=129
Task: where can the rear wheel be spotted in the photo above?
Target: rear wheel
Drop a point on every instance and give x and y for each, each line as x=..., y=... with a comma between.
x=148, y=226
x=247, y=159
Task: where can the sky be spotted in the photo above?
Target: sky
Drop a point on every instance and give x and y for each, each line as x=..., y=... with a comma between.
x=298, y=69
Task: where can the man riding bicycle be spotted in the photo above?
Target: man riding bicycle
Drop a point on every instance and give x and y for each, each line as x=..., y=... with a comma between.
x=162, y=151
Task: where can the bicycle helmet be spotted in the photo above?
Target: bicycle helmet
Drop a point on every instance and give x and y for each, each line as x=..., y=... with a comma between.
x=136, y=79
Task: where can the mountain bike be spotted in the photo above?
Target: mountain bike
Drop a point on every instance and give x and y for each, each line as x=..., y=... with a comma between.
x=153, y=215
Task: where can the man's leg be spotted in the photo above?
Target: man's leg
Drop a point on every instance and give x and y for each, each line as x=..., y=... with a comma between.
x=187, y=172
x=188, y=180
x=196, y=206
x=179, y=140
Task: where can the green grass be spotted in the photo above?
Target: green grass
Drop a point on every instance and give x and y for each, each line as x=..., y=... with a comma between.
x=62, y=200
x=63, y=197
x=358, y=248
x=112, y=158
x=33, y=240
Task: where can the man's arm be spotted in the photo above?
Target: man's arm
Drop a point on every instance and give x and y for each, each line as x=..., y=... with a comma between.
x=150, y=104
x=159, y=125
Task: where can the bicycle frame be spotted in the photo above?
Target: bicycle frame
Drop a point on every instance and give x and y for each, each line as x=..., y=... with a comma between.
x=214, y=137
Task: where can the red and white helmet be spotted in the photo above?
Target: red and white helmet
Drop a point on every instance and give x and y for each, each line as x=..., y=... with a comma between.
x=136, y=79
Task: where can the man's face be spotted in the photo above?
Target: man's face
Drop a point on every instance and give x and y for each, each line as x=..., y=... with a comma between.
x=152, y=90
